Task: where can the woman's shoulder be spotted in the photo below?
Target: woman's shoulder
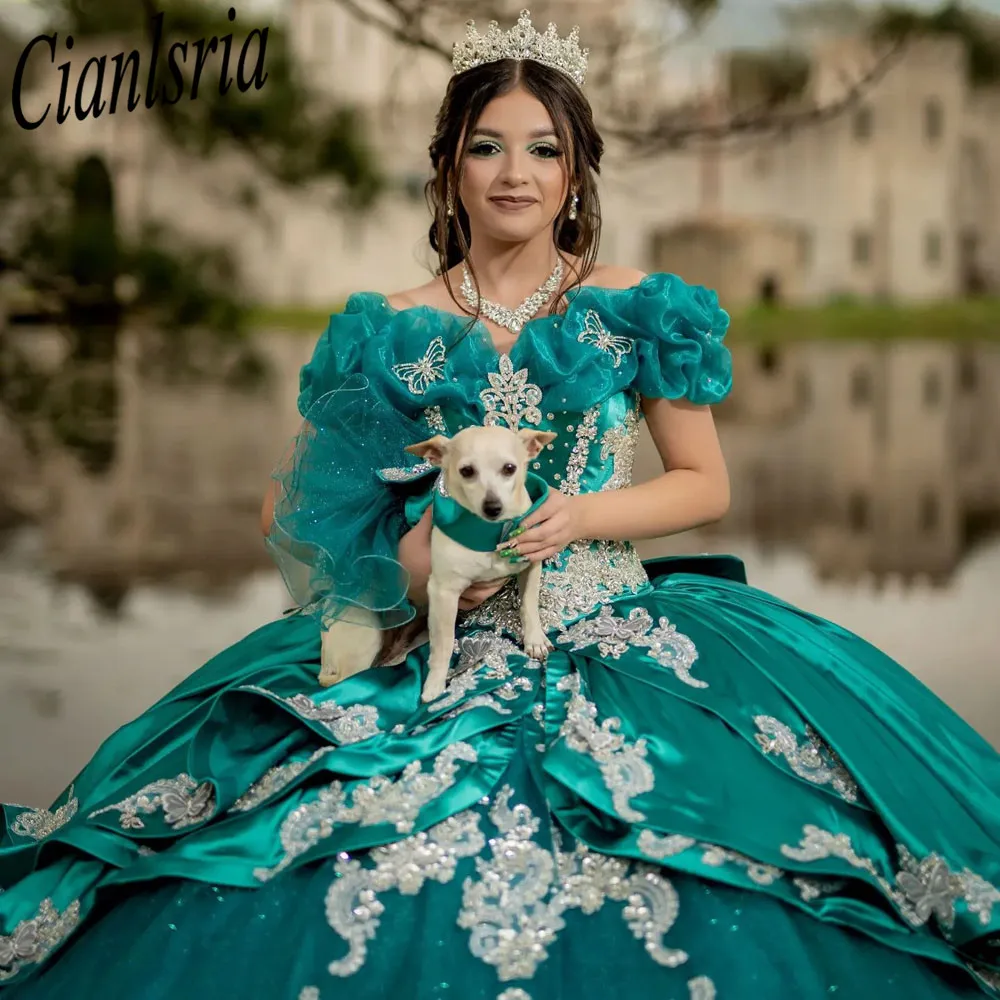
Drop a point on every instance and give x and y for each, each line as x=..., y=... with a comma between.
x=435, y=294
x=432, y=293
x=614, y=276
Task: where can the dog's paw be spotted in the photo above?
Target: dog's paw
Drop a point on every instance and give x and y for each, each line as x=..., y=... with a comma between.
x=537, y=646
x=433, y=688
x=328, y=677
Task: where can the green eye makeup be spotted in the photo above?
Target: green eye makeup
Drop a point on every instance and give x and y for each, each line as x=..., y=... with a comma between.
x=490, y=147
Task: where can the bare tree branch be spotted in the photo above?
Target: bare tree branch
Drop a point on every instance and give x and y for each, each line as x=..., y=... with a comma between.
x=669, y=130
x=408, y=31
x=683, y=127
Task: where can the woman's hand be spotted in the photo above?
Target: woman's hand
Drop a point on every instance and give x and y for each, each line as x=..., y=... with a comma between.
x=548, y=531
x=415, y=555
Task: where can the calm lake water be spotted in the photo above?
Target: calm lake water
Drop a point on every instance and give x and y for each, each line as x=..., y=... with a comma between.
x=69, y=677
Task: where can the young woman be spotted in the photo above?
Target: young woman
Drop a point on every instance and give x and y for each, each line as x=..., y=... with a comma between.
x=702, y=792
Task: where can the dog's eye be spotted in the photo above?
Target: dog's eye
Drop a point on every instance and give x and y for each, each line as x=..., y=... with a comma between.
x=509, y=469
x=467, y=471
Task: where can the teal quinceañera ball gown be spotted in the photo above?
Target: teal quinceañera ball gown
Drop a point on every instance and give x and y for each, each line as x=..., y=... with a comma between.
x=704, y=792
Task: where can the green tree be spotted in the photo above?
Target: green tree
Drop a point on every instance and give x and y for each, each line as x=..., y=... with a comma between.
x=65, y=263
x=980, y=35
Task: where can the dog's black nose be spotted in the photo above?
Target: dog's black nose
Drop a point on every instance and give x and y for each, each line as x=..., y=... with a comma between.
x=492, y=508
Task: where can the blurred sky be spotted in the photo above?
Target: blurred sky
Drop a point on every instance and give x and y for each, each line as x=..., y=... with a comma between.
x=740, y=22
x=750, y=23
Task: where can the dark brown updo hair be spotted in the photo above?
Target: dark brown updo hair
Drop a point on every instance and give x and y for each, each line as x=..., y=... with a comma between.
x=467, y=96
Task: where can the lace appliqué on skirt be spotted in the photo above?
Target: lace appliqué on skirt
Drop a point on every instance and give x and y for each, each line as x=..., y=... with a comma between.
x=920, y=889
x=814, y=760
x=32, y=940
x=37, y=824
x=614, y=636
x=514, y=904
x=623, y=765
x=184, y=803
x=379, y=800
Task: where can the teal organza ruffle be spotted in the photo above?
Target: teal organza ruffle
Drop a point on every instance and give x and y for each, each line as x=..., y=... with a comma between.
x=663, y=337
x=337, y=524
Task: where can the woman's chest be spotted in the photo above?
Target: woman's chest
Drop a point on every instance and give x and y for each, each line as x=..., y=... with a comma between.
x=594, y=448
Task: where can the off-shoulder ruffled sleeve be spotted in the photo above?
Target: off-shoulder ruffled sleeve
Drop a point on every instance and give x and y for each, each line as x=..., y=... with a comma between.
x=679, y=332
x=337, y=520
x=337, y=354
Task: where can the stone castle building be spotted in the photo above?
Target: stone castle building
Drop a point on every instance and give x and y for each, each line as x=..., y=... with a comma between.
x=876, y=457
x=897, y=198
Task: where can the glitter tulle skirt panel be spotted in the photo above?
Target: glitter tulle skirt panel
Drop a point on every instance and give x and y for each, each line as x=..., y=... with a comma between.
x=705, y=792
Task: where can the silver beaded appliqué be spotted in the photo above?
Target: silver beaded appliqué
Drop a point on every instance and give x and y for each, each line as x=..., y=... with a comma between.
x=921, y=888
x=275, y=780
x=32, y=940
x=353, y=907
x=574, y=583
x=512, y=319
x=596, y=333
x=659, y=848
x=623, y=765
x=701, y=988
x=510, y=397
x=184, y=803
x=621, y=442
x=586, y=432
x=420, y=374
x=515, y=906
x=814, y=760
x=614, y=636
x=395, y=801
x=346, y=724
x=40, y=823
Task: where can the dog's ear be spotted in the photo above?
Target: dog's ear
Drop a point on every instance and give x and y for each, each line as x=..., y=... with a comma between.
x=535, y=441
x=432, y=450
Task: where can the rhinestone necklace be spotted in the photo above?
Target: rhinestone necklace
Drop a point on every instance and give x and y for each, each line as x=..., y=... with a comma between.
x=512, y=319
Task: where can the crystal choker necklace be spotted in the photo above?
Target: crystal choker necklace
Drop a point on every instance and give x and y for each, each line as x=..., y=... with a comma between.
x=512, y=319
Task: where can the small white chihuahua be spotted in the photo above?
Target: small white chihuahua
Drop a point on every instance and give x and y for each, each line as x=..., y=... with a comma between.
x=484, y=485
x=484, y=470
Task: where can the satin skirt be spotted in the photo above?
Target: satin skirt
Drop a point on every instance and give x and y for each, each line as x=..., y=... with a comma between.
x=703, y=792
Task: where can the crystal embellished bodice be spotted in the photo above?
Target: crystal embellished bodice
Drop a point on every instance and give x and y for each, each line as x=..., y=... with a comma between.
x=594, y=450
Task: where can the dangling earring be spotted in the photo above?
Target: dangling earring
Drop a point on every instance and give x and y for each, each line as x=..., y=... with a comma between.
x=451, y=204
x=572, y=207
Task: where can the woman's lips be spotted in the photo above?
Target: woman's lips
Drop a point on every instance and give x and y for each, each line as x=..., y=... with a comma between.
x=512, y=204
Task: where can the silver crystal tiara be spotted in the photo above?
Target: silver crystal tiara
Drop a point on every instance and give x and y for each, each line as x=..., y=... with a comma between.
x=522, y=42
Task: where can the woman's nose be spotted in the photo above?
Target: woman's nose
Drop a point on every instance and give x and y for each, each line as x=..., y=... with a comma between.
x=513, y=168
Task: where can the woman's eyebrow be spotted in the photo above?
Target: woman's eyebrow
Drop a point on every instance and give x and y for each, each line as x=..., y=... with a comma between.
x=537, y=133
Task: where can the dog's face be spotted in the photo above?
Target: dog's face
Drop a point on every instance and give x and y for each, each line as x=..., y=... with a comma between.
x=484, y=468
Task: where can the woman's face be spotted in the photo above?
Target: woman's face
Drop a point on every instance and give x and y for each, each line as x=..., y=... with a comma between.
x=515, y=177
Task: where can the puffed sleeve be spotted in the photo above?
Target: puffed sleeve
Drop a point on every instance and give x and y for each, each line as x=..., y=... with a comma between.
x=679, y=331
x=337, y=519
x=337, y=354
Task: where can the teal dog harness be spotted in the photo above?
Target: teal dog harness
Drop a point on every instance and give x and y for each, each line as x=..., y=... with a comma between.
x=474, y=532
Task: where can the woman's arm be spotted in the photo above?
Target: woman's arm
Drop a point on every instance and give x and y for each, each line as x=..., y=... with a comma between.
x=267, y=510
x=414, y=554
x=693, y=490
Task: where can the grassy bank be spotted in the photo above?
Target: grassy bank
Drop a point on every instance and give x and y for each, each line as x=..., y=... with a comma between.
x=954, y=321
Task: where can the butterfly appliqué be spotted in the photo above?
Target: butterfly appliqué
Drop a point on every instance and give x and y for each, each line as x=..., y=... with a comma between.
x=596, y=333
x=419, y=375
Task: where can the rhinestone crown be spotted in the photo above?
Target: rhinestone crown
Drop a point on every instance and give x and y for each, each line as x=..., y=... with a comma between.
x=523, y=41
